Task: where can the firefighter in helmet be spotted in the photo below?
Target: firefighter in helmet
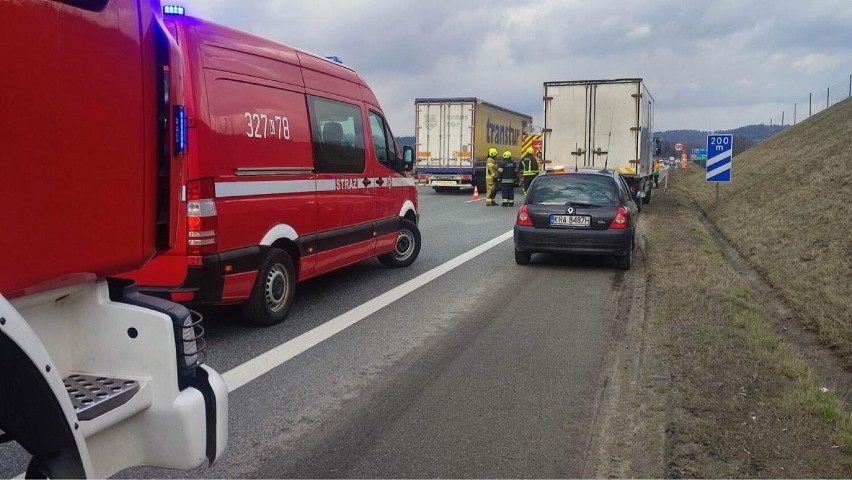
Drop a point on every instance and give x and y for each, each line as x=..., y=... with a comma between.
x=507, y=172
x=529, y=168
x=491, y=177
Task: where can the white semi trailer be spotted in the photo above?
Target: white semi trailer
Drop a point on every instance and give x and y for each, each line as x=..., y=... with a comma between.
x=601, y=124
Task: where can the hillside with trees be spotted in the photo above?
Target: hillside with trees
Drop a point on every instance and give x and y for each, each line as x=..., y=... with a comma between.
x=744, y=137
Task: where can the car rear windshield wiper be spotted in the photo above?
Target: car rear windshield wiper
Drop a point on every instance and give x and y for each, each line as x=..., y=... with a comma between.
x=581, y=204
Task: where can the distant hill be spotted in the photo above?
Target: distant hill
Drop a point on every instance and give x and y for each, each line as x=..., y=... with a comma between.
x=744, y=137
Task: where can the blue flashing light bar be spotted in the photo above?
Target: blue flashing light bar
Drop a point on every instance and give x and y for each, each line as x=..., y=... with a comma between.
x=335, y=58
x=173, y=10
x=180, y=130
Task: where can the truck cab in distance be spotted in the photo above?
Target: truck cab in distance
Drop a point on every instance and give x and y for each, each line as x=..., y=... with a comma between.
x=292, y=171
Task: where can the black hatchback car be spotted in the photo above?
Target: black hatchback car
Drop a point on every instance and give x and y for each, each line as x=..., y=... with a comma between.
x=587, y=212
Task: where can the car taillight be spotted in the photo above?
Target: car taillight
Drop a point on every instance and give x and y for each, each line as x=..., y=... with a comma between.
x=621, y=220
x=524, y=217
x=201, y=219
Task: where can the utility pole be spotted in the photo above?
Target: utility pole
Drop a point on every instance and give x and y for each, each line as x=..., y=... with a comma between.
x=782, y=118
x=795, y=107
x=810, y=104
x=827, y=95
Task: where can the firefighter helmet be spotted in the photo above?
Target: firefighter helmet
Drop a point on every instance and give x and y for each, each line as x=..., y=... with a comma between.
x=531, y=151
x=492, y=152
x=507, y=154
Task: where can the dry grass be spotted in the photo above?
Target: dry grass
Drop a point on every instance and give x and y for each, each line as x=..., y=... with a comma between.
x=742, y=403
x=787, y=213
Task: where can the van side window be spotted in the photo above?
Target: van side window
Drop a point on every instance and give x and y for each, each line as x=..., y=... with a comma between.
x=380, y=139
x=337, y=133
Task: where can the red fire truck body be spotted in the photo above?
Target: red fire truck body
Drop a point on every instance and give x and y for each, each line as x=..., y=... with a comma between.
x=95, y=377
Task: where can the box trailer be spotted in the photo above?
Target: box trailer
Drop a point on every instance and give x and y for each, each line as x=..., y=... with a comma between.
x=601, y=123
x=453, y=135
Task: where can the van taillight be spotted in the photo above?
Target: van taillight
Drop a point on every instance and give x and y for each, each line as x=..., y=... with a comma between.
x=621, y=220
x=201, y=219
x=180, y=140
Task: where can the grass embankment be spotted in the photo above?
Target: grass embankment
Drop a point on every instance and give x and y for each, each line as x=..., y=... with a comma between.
x=741, y=403
x=787, y=213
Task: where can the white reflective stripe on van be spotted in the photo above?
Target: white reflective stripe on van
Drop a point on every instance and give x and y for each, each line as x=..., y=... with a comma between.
x=242, y=189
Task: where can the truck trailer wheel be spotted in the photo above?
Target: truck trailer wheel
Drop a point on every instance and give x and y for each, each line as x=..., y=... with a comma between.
x=647, y=198
x=407, y=246
x=61, y=465
x=273, y=290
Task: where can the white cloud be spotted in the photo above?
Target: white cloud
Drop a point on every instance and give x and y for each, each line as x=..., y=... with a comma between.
x=817, y=62
x=639, y=32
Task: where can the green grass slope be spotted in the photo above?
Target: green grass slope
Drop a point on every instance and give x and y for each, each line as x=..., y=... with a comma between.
x=789, y=211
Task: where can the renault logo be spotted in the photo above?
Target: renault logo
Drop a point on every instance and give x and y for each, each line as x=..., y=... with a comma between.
x=570, y=210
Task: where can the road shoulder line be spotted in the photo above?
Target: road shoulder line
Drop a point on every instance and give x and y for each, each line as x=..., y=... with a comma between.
x=265, y=362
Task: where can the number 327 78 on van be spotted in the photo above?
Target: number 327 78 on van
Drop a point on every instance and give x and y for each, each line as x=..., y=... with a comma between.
x=291, y=172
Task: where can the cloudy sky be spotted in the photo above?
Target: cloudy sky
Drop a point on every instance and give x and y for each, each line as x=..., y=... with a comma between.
x=710, y=65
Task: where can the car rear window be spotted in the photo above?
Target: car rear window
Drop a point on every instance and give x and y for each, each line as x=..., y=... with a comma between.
x=562, y=189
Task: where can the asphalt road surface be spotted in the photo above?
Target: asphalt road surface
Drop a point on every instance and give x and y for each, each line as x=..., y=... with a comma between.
x=488, y=370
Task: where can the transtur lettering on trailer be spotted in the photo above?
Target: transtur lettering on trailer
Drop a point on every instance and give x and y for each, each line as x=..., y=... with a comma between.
x=502, y=134
x=346, y=184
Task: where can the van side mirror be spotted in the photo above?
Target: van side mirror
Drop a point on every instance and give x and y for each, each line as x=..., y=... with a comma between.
x=407, y=158
x=658, y=142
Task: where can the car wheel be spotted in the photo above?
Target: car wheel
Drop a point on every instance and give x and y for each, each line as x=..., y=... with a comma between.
x=273, y=290
x=522, y=258
x=623, y=262
x=407, y=246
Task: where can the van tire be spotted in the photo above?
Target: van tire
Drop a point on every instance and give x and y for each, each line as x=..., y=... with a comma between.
x=407, y=246
x=273, y=290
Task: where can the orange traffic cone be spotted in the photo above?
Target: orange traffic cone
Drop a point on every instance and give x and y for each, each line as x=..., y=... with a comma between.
x=475, y=193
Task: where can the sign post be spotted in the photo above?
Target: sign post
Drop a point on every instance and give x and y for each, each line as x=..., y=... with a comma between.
x=720, y=158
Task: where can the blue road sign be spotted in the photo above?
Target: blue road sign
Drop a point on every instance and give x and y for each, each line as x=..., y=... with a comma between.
x=720, y=157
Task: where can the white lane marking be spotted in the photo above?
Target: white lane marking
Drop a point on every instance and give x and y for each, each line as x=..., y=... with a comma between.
x=478, y=199
x=265, y=362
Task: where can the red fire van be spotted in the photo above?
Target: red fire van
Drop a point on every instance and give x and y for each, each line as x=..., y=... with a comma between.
x=292, y=171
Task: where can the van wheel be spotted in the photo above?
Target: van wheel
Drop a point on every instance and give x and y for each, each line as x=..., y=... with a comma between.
x=407, y=246
x=273, y=290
